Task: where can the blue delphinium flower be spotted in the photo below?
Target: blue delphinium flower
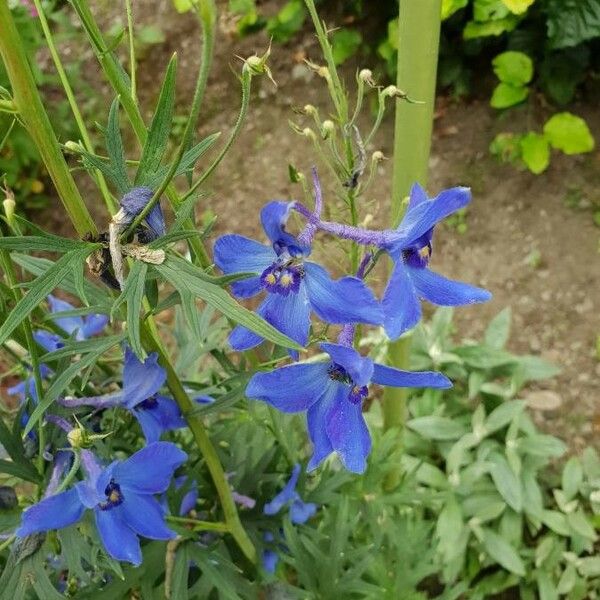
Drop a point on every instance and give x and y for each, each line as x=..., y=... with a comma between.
x=26, y=388
x=295, y=287
x=270, y=558
x=132, y=204
x=300, y=511
x=139, y=395
x=411, y=278
x=332, y=393
x=81, y=328
x=121, y=496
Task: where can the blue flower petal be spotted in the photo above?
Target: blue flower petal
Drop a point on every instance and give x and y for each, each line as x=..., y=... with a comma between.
x=317, y=418
x=156, y=221
x=119, y=540
x=246, y=288
x=383, y=375
x=286, y=495
x=94, y=324
x=270, y=558
x=417, y=196
x=242, y=339
x=141, y=380
x=273, y=217
x=68, y=324
x=424, y=216
x=300, y=511
x=150, y=469
x=49, y=341
x=238, y=254
x=347, y=300
x=88, y=493
x=348, y=433
x=150, y=424
x=290, y=389
x=360, y=368
x=54, y=512
x=188, y=502
x=400, y=303
x=143, y=514
x=446, y=292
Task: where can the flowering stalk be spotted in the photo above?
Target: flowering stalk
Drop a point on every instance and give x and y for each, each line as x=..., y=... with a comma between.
x=418, y=41
x=31, y=109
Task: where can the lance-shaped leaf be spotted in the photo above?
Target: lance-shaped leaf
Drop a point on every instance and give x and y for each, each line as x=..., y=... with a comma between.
x=114, y=147
x=36, y=243
x=19, y=466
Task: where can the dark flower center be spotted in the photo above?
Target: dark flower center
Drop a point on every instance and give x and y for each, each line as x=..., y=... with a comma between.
x=283, y=277
x=148, y=404
x=417, y=256
x=357, y=392
x=114, y=496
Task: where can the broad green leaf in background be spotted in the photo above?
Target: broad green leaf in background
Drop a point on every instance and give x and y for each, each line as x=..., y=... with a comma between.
x=515, y=68
x=287, y=21
x=503, y=414
x=346, y=43
x=473, y=29
x=437, y=428
x=506, y=482
x=544, y=446
x=570, y=22
x=569, y=133
x=449, y=7
x=506, y=95
x=535, y=152
x=572, y=477
x=489, y=10
x=502, y=552
x=35, y=243
x=518, y=7
x=498, y=330
x=183, y=6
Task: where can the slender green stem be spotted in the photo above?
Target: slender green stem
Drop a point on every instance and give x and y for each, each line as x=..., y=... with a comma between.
x=6, y=543
x=418, y=42
x=31, y=109
x=83, y=131
x=132, y=61
x=8, y=106
x=71, y=474
x=199, y=525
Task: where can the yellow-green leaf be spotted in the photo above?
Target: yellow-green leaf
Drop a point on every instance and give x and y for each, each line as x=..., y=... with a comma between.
x=569, y=133
x=535, y=152
x=518, y=7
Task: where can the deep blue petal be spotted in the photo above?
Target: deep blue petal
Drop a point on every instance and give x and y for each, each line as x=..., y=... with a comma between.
x=144, y=515
x=348, y=433
x=270, y=558
x=347, y=300
x=247, y=287
x=49, y=341
x=141, y=380
x=156, y=221
x=383, y=375
x=150, y=424
x=317, y=418
x=54, y=512
x=286, y=495
x=401, y=306
x=68, y=324
x=150, y=469
x=188, y=502
x=169, y=413
x=360, y=368
x=273, y=217
x=418, y=196
x=300, y=511
x=242, y=339
x=446, y=292
x=424, y=216
x=88, y=494
x=238, y=254
x=120, y=541
x=94, y=324
x=290, y=389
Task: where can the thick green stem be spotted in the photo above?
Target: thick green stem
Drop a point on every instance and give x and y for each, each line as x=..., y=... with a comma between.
x=31, y=109
x=418, y=45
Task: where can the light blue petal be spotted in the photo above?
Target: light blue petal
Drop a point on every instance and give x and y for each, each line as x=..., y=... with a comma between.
x=88, y=494
x=273, y=217
x=49, y=341
x=390, y=376
x=446, y=292
x=400, y=303
x=290, y=389
x=347, y=300
x=54, y=512
x=317, y=418
x=270, y=558
x=119, y=540
x=289, y=314
x=286, y=495
x=188, y=502
x=149, y=470
x=143, y=514
x=360, y=368
x=300, y=511
x=68, y=324
x=238, y=254
x=150, y=424
x=141, y=380
x=348, y=433
x=94, y=324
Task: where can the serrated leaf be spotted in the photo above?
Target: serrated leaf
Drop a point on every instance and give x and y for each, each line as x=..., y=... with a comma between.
x=506, y=95
x=502, y=552
x=569, y=133
x=114, y=147
x=437, y=428
x=160, y=127
x=513, y=68
x=535, y=152
x=498, y=330
x=40, y=288
x=183, y=276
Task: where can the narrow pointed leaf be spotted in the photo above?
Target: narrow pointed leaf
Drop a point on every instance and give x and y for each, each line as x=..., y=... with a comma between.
x=114, y=147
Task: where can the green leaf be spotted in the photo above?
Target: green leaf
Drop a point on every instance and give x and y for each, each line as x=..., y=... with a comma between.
x=514, y=68
x=449, y=528
x=579, y=523
x=570, y=22
x=535, y=152
x=503, y=414
x=473, y=29
x=569, y=133
x=489, y=10
x=20, y=470
x=484, y=357
x=535, y=368
x=518, y=7
x=572, y=477
x=133, y=294
x=184, y=277
x=449, y=7
x=502, y=552
x=160, y=128
x=556, y=521
x=51, y=243
x=287, y=22
x=19, y=466
x=506, y=481
x=437, y=428
x=541, y=445
x=506, y=95
x=345, y=44
x=182, y=6
x=114, y=147
x=40, y=288
x=498, y=330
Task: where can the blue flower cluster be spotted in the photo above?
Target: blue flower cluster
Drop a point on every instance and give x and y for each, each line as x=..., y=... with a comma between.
x=332, y=391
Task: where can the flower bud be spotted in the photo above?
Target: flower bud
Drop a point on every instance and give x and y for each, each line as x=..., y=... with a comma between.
x=78, y=438
x=309, y=109
x=257, y=65
x=366, y=76
x=74, y=147
x=391, y=91
x=309, y=133
x=377, y=156
x=328, y=128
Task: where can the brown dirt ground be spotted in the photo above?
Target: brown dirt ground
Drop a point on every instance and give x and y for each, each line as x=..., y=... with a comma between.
x=514, y=214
